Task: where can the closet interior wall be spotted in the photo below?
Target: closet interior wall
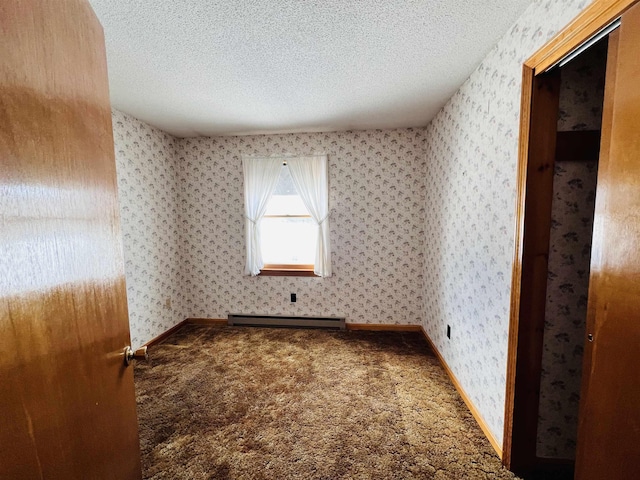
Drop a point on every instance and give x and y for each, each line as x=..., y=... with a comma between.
x=574, y=192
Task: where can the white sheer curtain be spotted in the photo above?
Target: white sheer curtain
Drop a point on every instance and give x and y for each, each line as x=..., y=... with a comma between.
x=310, y=177
x=260, y=180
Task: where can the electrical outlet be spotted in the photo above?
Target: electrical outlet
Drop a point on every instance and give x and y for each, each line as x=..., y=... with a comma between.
x=293, y=298
x=448, y=331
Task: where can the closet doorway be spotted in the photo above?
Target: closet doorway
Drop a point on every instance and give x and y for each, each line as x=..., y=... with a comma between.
x=581, y=98
x=608, y=439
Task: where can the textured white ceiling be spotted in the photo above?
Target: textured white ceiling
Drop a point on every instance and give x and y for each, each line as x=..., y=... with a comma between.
x=265, y=66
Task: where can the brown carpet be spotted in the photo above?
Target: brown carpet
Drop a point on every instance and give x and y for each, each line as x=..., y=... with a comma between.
x=236, y=403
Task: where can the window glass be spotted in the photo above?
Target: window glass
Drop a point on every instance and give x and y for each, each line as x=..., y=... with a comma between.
x=288, y=234
x=288, y=241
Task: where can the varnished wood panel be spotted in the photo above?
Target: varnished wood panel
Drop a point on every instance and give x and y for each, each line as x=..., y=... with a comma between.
x=267, y=272
x=516, y=274
x=166, y=334
x=527, y=325
x=590, y=21
x=609, y=422
x=67, y=401
x=383, y=327
x=578, y=146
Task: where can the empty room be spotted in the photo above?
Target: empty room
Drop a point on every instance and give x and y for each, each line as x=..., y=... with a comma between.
x=319, y=239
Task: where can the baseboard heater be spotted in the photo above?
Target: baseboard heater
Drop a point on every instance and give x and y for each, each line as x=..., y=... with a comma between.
x=337, y=323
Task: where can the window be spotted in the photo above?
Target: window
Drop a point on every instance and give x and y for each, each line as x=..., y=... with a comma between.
x=288, y=233
x=287, y=216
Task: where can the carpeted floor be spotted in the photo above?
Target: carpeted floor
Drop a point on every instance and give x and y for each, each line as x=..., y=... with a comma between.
x=236, y=403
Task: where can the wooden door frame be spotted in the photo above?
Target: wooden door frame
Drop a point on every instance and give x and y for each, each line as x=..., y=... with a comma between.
x=536, y=153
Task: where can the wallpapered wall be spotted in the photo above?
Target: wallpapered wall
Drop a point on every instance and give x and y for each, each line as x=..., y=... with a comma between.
x=411, y=242
x=574, y=191
x=574, y=187
x=376, y=198
x=471, y=153
x=183, y=222
x=149, y=193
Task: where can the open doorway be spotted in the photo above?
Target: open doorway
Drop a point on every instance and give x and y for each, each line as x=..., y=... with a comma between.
x=561, y=184
x=607, y=439
x=581, y=96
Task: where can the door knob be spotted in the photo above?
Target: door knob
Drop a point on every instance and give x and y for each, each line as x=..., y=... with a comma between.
x=130, y=355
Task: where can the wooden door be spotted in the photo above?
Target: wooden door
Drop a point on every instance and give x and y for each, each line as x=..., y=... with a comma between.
x=609, y=426
x=66, y=400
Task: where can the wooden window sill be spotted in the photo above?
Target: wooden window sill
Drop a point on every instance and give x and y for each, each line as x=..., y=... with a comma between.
x=288, y=271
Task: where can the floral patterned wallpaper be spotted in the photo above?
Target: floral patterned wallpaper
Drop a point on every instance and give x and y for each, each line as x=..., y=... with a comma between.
x=471, y=154
x=182, y=218
x=422, y=221
x=582, y=90
x=149, y=191
x=376, y=198
x=574, y=186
